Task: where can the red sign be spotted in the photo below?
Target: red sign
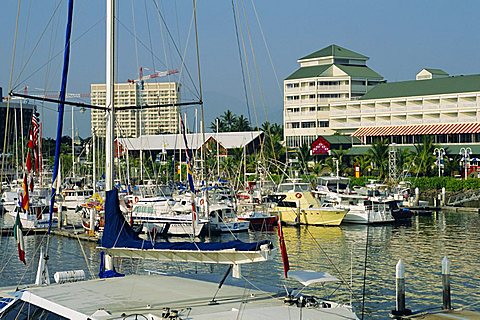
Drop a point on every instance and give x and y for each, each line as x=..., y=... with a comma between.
x=320, y=146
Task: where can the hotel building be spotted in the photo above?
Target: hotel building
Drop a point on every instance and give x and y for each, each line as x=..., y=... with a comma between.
x=332, y=74
x=133, y=123
x=445, y=107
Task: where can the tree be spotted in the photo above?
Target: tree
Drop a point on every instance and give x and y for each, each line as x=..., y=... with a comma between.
x=424, y=161
x=242, y=124
x=378, y=156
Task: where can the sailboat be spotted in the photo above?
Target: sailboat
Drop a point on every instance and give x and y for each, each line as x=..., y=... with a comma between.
x=160, y=296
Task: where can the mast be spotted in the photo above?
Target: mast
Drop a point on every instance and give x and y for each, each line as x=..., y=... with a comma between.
x=110, y=113
x=73, y=147
x=94, y=162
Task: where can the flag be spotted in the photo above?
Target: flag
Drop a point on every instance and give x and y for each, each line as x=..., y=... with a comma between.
x=25, y=199
x=283, y=250
x=28, y=163
x=33, y=140
x=187, y=154
x=18, y=234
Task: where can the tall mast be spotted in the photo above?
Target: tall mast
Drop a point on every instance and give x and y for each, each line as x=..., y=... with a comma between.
x=73, y=147
x=110, y=113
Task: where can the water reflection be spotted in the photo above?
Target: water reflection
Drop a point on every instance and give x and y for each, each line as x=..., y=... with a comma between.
x=340, y=251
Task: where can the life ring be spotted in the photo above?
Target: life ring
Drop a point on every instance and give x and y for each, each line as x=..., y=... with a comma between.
x=298, y=195
x=135, y=199
x=202, y=202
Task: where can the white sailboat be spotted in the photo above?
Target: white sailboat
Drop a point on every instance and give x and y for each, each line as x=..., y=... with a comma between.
x=162, y=296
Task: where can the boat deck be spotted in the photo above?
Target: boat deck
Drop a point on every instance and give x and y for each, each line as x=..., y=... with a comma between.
x=154, y=294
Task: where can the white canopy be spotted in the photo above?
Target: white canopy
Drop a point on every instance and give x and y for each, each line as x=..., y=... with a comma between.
x=308, y=277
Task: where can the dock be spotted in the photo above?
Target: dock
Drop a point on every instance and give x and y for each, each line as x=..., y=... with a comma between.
x=66, y=232
x=445, y=314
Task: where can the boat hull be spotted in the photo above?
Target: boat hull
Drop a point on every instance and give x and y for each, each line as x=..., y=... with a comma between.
x=263, y=223
x=313, y=216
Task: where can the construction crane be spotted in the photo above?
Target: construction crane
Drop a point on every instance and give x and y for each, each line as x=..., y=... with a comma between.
x=157, y=74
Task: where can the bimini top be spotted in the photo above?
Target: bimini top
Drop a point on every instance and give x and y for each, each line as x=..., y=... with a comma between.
x=308, y=277
x=119, y=239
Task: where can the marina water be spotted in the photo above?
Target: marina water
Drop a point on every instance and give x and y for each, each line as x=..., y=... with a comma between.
x=340, y=251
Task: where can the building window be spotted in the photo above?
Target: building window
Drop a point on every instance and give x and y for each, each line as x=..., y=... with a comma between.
x=328, y=95
x=323, y=108
x=323, y=124
x=292, y=85
x=292, y=98
x=308, y=124
x=311, y=84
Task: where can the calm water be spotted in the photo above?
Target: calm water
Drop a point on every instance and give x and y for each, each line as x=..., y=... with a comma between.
x=340, y=251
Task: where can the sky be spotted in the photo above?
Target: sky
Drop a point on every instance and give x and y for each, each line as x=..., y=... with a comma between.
x=400, y=37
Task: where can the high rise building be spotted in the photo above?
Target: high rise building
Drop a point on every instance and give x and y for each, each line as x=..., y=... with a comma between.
x=134, y=123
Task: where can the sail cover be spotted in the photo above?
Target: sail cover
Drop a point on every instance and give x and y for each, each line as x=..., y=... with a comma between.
x=121, y=240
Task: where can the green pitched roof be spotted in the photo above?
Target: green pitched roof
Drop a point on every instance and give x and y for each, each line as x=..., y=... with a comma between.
x=336, y=51
x=352, y=71
x=309, y=72
x=359, y=71
x=457, y=84
x=436, y=71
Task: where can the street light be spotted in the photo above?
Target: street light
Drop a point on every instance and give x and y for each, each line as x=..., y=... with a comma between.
x=439, y=153
x=465, y=153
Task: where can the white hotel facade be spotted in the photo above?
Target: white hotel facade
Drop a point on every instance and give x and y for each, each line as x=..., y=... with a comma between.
x=357, y=102
x=133, y=123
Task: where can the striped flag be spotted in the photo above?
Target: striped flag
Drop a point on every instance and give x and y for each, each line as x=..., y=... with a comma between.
x=33, y=139
x=18, y=234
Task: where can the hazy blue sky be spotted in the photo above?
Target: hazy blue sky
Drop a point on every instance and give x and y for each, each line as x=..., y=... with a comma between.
x=400, y=37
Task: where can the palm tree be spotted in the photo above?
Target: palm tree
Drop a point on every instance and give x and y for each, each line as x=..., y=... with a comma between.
x=304, y=157
x=241, y=124
x=378, y=156
x=229, y=120
x=424, y=163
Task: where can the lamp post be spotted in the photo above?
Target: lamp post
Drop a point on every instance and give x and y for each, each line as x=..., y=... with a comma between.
x=465, y=153
x=439, y=153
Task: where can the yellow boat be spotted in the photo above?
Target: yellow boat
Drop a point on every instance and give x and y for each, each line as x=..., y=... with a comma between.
x=295, y=204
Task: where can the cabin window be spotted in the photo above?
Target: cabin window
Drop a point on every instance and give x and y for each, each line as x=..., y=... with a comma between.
x=23, y=310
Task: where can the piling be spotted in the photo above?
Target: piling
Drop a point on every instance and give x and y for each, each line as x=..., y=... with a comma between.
x=444, y=197
x=400, y=309
x=447, y=302
x=417, y=196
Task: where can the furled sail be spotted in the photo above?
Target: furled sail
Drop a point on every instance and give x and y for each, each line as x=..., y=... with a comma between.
x=119, y=239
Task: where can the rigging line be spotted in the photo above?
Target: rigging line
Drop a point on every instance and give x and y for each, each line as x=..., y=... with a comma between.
x=135, y=35
x=39, y=40
x=365, y=267
x=83, y=250
x=55, y=56
x=267, y=47
x=5, y=138
x=247, y=25
x=149, y=33
x=199, y=91
x=240, y=58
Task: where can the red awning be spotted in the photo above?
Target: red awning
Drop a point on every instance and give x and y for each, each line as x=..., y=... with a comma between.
x=418, y=129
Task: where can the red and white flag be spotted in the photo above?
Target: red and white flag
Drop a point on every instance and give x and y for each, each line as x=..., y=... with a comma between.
x=18, y=234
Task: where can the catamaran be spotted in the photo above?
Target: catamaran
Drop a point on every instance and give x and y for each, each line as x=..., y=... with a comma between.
x=115, y=296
